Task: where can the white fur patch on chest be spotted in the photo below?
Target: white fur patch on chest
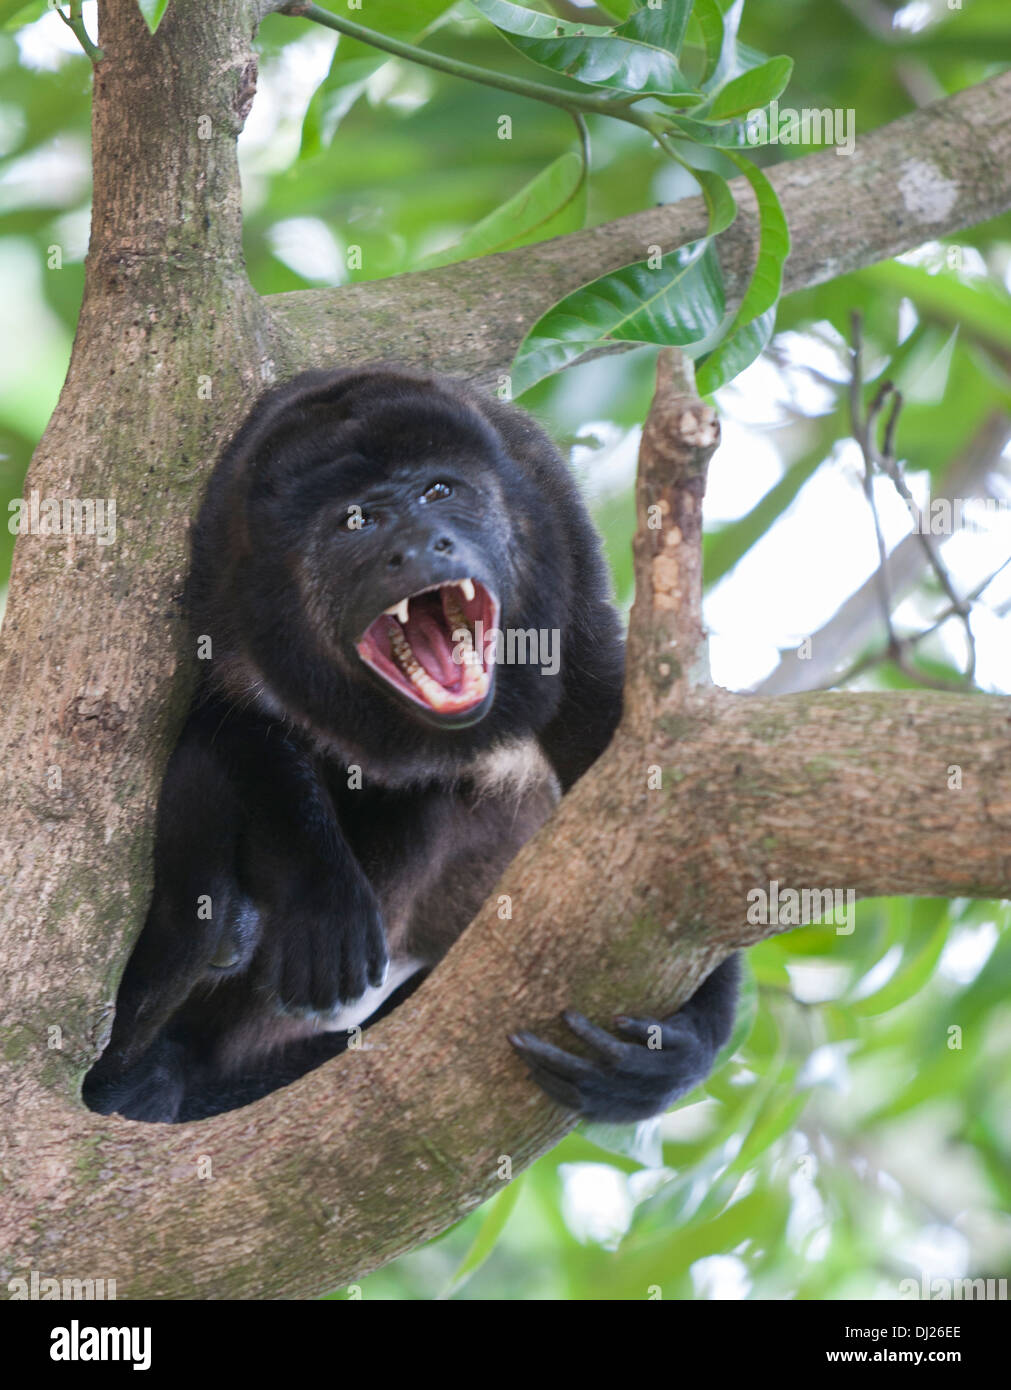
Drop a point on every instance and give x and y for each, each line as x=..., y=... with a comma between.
x=516, y=768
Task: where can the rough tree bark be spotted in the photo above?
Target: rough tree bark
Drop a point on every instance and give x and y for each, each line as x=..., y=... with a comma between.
x=387, y=1146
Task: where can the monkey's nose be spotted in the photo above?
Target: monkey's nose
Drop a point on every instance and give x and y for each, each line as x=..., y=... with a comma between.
x=444, y=545
x=398, y=558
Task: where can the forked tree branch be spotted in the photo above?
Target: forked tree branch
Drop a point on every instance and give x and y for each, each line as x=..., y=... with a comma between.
x=625, y=900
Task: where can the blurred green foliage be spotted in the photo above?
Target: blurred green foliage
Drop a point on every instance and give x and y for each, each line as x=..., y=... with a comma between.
x=854, y=1138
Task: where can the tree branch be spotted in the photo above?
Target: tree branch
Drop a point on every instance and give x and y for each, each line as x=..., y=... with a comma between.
x=931, y=174
x=385, y=1147
x=668, y=654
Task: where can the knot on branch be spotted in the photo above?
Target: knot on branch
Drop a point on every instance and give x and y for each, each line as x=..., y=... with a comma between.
x=94, y=717
x=680, y=437
x=246, y=91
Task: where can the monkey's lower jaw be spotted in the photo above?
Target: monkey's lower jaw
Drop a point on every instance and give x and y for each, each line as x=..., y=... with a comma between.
x=430, y=647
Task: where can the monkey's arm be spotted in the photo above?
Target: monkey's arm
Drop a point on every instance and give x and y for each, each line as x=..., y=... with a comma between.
x=652, y=1064
x=322, y=941
x=198, y=915
x=251, y=874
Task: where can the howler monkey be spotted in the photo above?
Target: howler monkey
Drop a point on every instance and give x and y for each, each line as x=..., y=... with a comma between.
x=368, y=747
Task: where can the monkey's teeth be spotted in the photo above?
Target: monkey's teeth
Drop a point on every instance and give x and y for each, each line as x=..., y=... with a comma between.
x=412, y=667
x=466, y=587
x=465, y=638
x=399, y=610
x=460, y=629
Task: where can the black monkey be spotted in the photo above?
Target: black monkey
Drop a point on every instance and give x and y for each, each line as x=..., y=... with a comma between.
x=357, y=768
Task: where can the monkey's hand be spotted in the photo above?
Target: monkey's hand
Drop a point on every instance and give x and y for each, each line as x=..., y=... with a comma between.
x=323, y=945
x=644, y=1072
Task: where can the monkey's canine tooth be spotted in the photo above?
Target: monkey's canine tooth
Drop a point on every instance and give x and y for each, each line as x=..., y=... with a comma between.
x=466, y=587
x=398, y=610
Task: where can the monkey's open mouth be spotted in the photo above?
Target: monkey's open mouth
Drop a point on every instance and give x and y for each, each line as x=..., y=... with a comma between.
x=431, y=646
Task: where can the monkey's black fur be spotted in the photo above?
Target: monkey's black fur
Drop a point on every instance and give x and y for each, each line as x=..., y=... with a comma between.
x=324, y=814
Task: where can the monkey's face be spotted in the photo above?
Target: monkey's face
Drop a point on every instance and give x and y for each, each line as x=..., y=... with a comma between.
x=373, y=546
x=416, y=576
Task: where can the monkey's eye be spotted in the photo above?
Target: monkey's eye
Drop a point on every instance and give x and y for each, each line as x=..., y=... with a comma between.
x=358, y=519
x=435, y=492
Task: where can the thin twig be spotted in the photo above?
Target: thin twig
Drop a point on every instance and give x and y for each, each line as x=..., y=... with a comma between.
x=861, y=432
x=953, y=611
x=587, y=102
x=882, y=459
x=75, y=22
x=872, y=659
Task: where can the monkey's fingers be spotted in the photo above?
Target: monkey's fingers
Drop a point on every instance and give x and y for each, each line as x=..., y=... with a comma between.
x=378, y=958
x=606, y=1046
x=555, y=1071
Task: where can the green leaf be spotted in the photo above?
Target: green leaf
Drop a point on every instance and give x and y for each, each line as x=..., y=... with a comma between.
x=719, y=199
x=754, y=321
x=354, y=62
x=710, y=19
x=153, y=12
x=552, y=203
x=775, y=1119
x=752, y=91
x=759, y=1217
x=496, y=1214
x=664, y=26
x=742, y=346
x=678, y=303
x=728, y=63
x=982, y=307
x=589, y=53
x=715, y=190
x=408, y=20
x=727, y=135
x=918, y=962
x=725, y=58
x=11, y=10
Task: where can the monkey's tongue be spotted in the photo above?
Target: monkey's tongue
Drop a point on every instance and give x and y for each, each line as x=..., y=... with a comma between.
x=431, y=644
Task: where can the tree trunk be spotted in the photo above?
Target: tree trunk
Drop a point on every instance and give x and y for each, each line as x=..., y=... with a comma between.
x=629, y=895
